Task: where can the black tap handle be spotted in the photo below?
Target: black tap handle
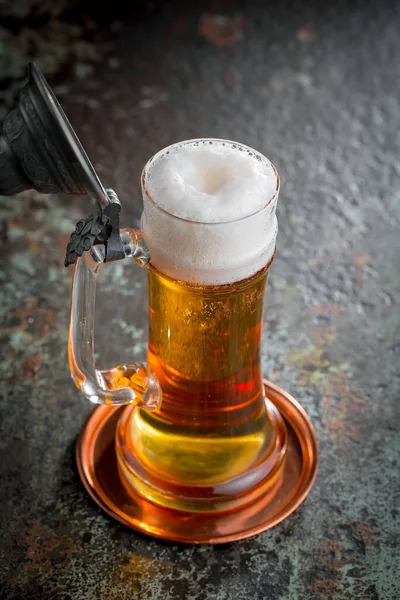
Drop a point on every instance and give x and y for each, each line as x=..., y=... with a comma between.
x=114, y=248
x=101, y=227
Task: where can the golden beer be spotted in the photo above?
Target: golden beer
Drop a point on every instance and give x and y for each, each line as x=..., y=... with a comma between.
x=212, y=428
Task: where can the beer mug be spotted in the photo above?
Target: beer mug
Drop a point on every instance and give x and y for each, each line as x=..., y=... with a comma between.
x=198, y=433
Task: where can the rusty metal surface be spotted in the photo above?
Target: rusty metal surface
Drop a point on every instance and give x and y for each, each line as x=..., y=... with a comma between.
x=317, y=90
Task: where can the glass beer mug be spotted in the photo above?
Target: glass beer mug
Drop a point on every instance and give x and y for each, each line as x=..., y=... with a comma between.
x=197, y=433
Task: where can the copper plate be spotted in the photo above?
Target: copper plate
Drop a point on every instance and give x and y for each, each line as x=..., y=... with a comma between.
x=97, y=465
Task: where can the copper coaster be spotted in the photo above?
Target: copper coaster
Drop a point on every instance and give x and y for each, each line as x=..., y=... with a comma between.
x=97, y=465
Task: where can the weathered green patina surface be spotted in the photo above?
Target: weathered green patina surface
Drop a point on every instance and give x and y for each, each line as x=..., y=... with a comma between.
x=316, y=89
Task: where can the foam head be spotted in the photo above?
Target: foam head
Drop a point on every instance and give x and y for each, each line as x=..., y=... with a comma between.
x=209, y=211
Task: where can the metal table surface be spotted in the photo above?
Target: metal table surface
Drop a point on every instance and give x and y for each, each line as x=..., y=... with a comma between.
x=316, y=88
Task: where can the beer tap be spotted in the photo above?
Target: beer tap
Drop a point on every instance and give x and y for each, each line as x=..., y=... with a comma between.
x=40, y=150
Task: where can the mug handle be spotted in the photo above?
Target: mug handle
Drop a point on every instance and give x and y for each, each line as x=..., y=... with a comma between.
x=132, y=383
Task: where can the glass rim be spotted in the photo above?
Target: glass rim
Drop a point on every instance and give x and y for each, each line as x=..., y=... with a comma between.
x=208, y=223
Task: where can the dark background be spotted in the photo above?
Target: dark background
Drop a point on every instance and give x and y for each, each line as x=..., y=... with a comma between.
x=316, y=87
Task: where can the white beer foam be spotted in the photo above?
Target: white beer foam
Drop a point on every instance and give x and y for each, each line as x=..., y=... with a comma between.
x=209, y=211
